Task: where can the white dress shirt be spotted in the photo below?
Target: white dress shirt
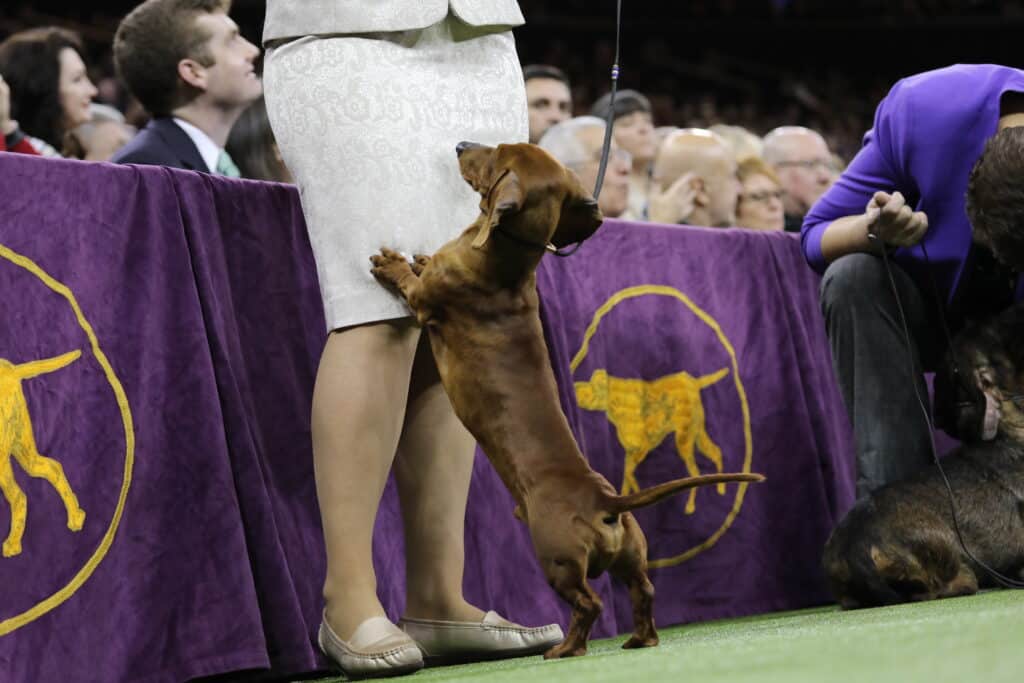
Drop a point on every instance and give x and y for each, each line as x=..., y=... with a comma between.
x=208, y=149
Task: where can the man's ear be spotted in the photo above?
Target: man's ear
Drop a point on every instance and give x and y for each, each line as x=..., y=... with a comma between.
x=193, y=73
x=506, y=201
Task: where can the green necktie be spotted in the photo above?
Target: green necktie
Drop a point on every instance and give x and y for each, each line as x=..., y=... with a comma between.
x=225, y=166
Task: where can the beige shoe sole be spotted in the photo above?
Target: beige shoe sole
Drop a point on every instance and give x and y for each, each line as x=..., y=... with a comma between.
x=398, y=659
x=454, y=642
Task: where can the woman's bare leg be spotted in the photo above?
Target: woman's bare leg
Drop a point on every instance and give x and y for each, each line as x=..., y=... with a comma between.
x=359, y=401
x=433, y=469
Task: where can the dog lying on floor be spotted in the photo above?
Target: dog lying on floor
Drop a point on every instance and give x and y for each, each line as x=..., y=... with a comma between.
x=477, y=298
x=899, y=543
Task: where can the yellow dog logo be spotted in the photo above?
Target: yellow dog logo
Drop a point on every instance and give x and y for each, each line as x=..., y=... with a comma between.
x=644, y=413
x=18, y=442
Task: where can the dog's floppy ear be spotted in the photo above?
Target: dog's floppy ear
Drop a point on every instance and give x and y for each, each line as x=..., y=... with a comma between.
x=580, y=219
x=506, y=200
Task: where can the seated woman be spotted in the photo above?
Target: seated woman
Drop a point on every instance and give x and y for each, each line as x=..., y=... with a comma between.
x=50, y=90
x=760, y=204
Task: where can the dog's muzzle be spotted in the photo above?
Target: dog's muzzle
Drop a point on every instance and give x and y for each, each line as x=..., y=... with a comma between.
x=463, y=146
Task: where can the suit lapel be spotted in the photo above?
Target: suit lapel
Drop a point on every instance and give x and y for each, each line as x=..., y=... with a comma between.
x=180, y=144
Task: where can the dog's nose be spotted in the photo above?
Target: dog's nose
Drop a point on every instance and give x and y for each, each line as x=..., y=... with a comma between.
x=463, y=146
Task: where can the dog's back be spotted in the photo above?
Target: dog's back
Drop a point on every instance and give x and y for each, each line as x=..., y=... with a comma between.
x=899, y=544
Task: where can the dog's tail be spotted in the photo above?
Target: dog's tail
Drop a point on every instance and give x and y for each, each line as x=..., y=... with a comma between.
x=41, y=367
x=652, y=495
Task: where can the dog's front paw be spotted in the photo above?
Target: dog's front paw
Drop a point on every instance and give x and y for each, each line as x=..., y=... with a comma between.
x=389, y=266
x=419, y=262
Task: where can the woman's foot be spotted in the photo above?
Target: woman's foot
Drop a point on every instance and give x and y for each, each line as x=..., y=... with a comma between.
x=449, y=641
x=376, y=648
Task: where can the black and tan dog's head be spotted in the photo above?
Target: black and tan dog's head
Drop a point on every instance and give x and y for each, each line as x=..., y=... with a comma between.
x=979, y=385
x=527, y=194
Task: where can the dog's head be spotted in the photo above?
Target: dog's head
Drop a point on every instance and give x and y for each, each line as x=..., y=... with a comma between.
x=981, y=377
x=526, y=193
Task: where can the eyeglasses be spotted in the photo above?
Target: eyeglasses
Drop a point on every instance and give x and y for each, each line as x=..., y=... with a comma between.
x=763, y=196
x=808, y=164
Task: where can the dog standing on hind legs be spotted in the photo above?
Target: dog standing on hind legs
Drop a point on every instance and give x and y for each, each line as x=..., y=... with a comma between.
x=477, y=298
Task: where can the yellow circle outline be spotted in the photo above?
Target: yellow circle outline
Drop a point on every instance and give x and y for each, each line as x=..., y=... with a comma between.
x=661, y=290
x=41, y=608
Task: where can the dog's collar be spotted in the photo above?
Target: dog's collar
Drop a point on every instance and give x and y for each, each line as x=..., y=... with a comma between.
x=527, y=243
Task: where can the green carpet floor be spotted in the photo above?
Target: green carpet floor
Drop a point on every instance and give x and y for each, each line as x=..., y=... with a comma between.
x=979, y=639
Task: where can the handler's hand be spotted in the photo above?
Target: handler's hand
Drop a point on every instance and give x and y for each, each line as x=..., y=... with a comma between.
x=893, y=222
x=675, y=204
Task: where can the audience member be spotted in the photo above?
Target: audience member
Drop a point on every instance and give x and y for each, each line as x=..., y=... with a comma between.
x=578, y=143
x=192, y=70
x=50, y=92
x=802, y=159
x=695, y=180
x=252, y=146
x=745, y=145
x=11, y=137
x=100, y=137
x=633, y=130
x=907, y=188
x=761, y=194
x=662, y=132
x=548, y=98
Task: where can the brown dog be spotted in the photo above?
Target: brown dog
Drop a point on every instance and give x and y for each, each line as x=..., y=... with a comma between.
x=477, y=297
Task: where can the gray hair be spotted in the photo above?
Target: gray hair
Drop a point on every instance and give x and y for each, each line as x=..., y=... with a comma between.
x=562, y=140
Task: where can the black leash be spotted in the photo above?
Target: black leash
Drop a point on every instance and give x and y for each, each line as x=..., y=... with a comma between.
x=606, y=147
x=1005, y=581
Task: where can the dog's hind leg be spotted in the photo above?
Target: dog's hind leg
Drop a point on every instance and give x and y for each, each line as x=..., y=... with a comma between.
x=630, y=568
x=38, y=465
x=17, y=501
x=586, y=606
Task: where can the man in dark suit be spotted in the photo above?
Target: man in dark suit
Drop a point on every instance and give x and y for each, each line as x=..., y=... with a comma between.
x=194, y=73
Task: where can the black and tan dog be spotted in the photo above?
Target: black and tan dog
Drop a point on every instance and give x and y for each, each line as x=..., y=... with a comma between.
x=477, y=298
x=899, y=543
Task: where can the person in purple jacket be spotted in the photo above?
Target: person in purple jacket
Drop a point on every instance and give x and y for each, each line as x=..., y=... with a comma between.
x=906, y=188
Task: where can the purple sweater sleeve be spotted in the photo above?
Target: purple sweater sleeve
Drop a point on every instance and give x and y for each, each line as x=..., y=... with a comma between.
x=876, y=167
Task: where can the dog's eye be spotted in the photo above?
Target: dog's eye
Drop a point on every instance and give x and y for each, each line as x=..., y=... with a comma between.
x=611, y=520
x=561, y=563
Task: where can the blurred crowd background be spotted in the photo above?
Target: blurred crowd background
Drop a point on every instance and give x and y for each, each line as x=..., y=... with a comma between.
x=754, y=63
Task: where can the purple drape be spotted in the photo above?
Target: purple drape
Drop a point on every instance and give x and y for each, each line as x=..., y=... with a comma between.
x=183, y=426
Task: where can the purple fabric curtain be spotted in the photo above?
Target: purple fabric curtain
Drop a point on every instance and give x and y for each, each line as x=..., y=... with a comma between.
x=181, y=425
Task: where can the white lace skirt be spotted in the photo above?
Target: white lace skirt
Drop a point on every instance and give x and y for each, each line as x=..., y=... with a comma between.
x=368, y=127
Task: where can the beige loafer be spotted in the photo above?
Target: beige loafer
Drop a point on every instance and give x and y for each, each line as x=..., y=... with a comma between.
x=450, y=642
x=377, y=648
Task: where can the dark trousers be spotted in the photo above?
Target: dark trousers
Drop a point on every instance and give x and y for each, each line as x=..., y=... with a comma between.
x=877, y=372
